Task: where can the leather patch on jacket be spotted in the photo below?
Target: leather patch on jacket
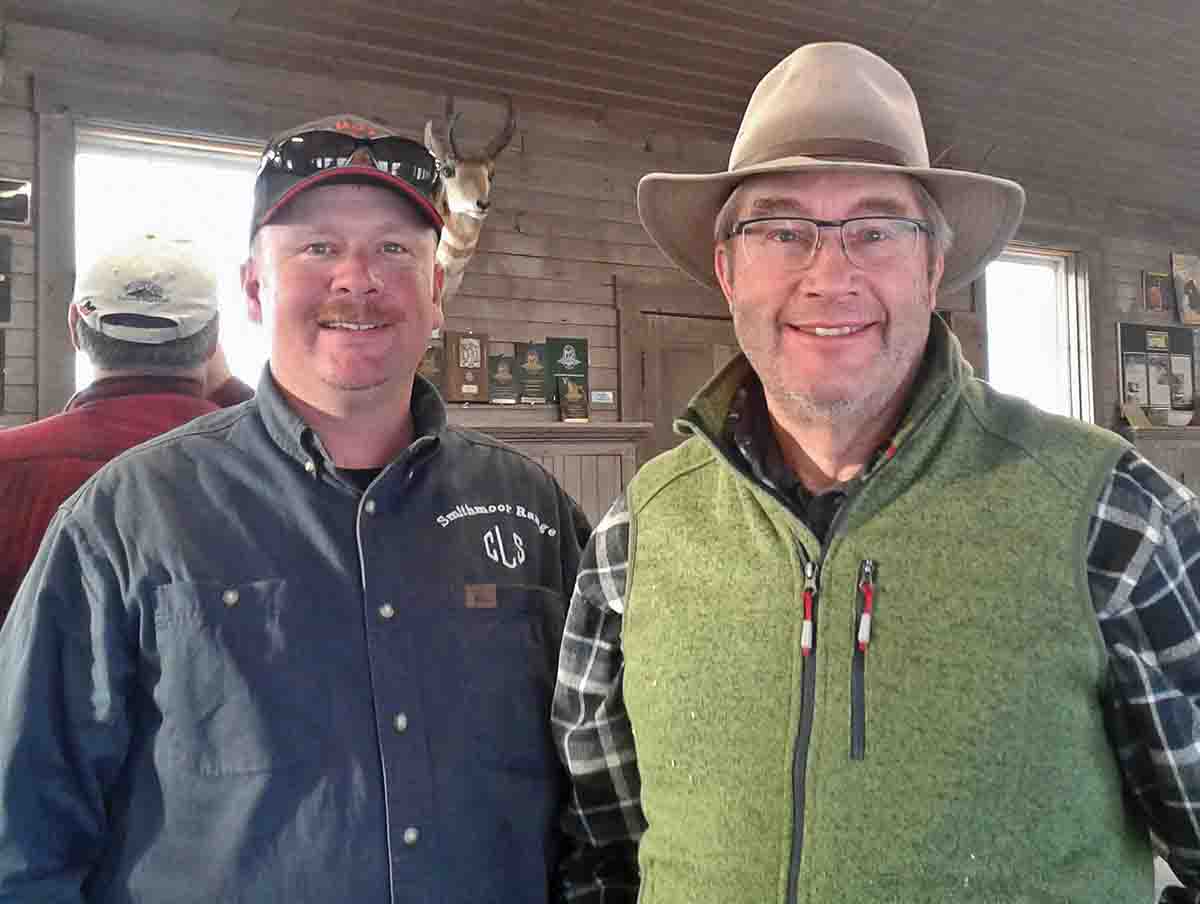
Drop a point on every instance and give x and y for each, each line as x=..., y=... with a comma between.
x=480, y=596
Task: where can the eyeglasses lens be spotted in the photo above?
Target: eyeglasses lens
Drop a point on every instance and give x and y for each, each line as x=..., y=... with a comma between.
x=792, y=244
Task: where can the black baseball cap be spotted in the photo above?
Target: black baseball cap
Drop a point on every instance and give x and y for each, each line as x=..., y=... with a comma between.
x=345, y=148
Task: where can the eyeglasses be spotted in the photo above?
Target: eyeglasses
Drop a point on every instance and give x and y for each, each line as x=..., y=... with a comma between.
x=311, y=152
x=791, y=243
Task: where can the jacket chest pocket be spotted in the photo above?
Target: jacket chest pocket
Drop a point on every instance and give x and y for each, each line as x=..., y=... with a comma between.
x=505, y=652
x=240, y=688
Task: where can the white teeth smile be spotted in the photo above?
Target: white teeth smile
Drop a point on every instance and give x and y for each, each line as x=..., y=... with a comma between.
x=837, y=330
x=355, y=327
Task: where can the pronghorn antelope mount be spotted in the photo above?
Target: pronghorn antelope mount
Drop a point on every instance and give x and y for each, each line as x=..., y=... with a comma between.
x=468, y=181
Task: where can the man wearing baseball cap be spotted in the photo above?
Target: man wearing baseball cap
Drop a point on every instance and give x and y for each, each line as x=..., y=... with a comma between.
x=880, y=632
x=145, y=314
x=303, y=649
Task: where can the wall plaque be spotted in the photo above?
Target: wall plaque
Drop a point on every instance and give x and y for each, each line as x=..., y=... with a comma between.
x=530, y=359
x=432, y=367
x=566, y=358
x=466, y=367
x=503, y=388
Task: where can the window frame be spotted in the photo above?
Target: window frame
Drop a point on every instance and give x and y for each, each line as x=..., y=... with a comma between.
x=1073, y=310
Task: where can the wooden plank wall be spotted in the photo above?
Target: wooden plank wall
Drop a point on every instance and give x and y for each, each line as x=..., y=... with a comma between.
x=17, y=154
x=564, y=225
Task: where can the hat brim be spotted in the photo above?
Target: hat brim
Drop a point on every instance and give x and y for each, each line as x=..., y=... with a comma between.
x=367, y=174
x=679, y=211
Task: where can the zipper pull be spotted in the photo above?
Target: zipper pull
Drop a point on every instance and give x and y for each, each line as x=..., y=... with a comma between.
x=867, y=585
x=810, y=590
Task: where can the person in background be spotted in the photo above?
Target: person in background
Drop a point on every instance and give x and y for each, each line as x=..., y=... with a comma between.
x=874, y=631
x=146, y=316
x=303, y=649
x=221, y=387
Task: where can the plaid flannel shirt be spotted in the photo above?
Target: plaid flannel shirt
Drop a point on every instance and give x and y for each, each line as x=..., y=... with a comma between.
x=1143, y=560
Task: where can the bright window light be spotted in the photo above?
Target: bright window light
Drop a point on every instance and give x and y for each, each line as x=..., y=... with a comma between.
x=123, y=189
x=1028, y=347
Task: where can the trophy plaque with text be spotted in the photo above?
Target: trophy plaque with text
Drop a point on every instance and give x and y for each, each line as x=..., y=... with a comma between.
x=566, y=358
x=466, y=372
x=503, y=388
x=530, y=360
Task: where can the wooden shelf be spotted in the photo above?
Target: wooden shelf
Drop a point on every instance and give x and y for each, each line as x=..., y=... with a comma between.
x=592, y=461
x=1191, y=434
x=557, y=432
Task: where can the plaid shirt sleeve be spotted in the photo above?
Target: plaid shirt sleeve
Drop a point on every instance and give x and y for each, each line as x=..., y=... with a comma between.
x=1144, y=571
x=603, y=818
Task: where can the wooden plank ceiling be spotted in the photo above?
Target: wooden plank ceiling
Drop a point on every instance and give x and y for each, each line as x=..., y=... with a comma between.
x=1101, y=98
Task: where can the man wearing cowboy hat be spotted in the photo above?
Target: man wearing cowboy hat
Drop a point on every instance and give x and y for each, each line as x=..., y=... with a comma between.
x=880, y=631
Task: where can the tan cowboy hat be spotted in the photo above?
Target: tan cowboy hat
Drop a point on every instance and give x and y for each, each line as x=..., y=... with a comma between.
x=831, y=107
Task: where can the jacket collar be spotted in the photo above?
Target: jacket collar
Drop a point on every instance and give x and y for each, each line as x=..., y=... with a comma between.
x=299, y=441
x=943, y=371
x=118, y=387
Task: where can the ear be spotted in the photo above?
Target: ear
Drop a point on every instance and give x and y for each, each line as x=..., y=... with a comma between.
x=72, y=320
x=439, y=283
x=251, y=289
x=935, y=279
x=215, y=341
x=723, y=266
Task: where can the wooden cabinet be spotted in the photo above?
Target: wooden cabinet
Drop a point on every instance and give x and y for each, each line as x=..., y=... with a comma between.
x=593, y=462
x=1175, y=450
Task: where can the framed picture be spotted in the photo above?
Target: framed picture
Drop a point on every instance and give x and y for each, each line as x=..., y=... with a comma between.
x=465, y=367
x=14, y=201
x=1185, y=268
x=1157, y=367
x=1158, y=292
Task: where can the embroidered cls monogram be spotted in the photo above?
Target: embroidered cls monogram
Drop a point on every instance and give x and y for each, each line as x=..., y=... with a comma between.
x=509, y=552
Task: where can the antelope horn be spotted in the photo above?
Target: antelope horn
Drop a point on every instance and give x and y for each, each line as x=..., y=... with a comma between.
x=454, y=151
x=435, y=139
x=500, y=142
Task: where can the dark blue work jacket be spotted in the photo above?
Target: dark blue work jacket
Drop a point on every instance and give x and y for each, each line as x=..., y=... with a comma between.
x=234, y=676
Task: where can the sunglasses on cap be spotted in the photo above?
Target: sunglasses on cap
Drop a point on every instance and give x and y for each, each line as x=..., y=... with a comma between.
x=308, y=153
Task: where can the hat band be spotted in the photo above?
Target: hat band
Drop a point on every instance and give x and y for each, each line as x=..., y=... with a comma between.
x=849, y=150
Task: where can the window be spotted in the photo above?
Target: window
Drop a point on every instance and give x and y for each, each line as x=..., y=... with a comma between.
x=1038, y=330
x=129, y=183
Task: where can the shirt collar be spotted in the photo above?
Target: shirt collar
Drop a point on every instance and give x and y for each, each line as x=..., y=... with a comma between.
x=298, y=440
x=147, y=384
x=748, y=430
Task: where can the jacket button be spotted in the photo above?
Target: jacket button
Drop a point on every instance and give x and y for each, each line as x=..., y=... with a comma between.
x=310, y=466
x=369, y=507
x=400, y=723
x=386, y=610
x=411, y=836
x=230, y=597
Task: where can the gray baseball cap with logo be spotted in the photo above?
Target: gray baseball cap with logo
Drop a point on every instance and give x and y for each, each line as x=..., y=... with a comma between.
x=150, y=290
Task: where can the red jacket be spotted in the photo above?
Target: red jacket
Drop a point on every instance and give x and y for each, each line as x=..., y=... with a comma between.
x=232, y=392
x=43, y=463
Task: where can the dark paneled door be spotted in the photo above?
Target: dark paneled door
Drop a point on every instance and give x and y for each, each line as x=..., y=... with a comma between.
x=672, y=339
x=679, y=353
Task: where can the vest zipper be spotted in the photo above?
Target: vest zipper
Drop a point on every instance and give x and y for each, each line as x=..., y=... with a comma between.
x=864, y=613
x=808, y=689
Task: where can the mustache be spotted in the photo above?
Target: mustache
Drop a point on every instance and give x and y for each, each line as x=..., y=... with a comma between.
x=353, y=312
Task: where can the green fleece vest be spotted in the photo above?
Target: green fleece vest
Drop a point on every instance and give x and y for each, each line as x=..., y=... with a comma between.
x=987, y=776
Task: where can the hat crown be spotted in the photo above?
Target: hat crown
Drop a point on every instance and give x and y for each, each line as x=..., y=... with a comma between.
x=163, y=279
x=347, y=123
x=832, y=101
x=151, y=271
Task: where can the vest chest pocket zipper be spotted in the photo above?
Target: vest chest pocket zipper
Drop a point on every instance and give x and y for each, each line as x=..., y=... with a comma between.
x=864, y=613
